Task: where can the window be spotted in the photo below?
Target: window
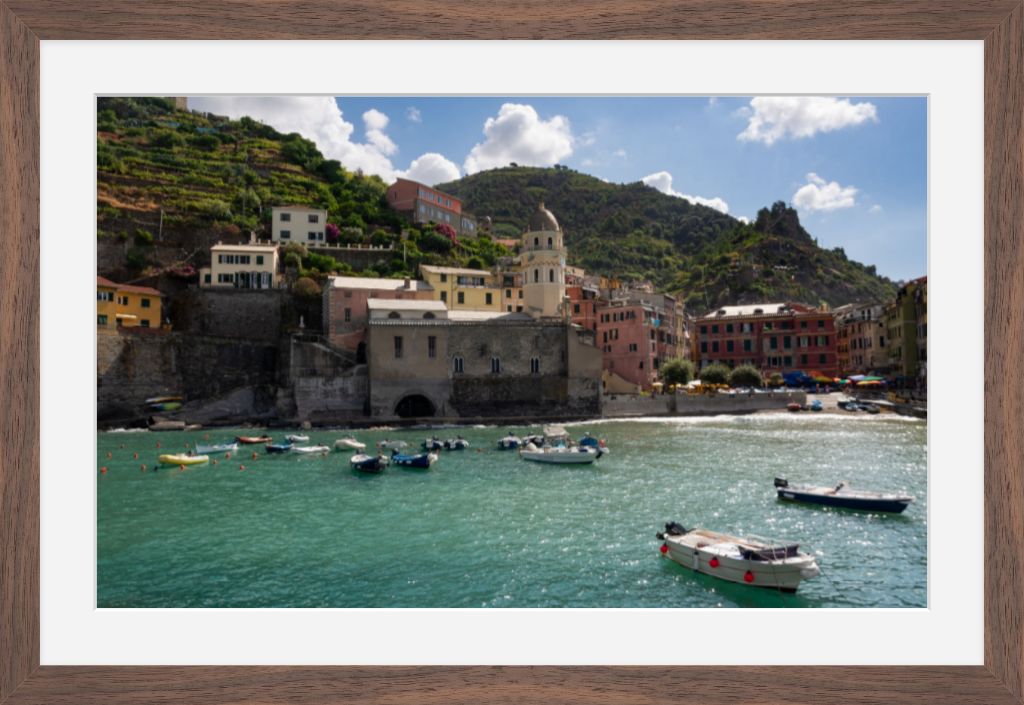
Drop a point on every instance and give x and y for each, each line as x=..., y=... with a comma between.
x=508, y=308
x=462, y=297
x=444, y=278
x=104, y=296
x=259, y=259
x=145, y=323
x=728, y=327
x=728, y=346
x=286, y=234
x=536, y=242
x=822, y=358
x=773, y=343
x=535, y=365
x=225, y=278
x=536, y=276
x=398, y=346
x=714, y=346
x=551, y=275
x=394, y=314
x=549, y=242
x=145, y=303
x=714, y=329
x=348, y=315
x=575, y=308
x=457, y=365
x=207, y=278
x=787, y=342
x=519, y=309
x=431, y=346
x=444, y=296
x=703, y=330
x=803, y=359
x=747, y=346
x=122, y=300
x=520, y=293
x=487, y=298
x=508, y=293
x=314, y=218
x=286, y=217
x=101, y=320
x=632, y=347
x=311, y=236
x=803, y=324
x=821, y=323
x=495, y=365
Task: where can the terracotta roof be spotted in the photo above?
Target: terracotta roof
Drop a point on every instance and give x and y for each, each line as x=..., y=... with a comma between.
x=127, y=288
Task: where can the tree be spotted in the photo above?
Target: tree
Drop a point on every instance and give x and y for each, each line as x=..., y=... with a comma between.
x=715, y=373
x=306, y=288
x=745, y=376
x=775, y=379
x=678, y=371
x=332, y=232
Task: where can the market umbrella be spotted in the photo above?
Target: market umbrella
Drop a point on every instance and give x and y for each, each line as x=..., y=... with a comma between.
x=869, y=383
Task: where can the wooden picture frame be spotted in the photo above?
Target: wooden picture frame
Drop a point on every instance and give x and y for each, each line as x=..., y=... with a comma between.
x=23, y=23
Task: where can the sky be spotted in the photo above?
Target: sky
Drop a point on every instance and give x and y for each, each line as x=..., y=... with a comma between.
x=855, y=168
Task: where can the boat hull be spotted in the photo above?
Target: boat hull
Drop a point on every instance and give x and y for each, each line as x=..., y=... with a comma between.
x=279, y=448
x=183, y=459
x=369, y=464
x=347, y=444
x=774, y=575
x=867, y=504
x=252, y=440
x=421, y=460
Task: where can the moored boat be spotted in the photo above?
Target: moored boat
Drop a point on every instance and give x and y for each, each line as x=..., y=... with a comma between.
x=559, y=455
x=349, y=443
x=391, y=445
x=418, y=460
x=794, y=406
x=279, y=447
x=295, y=438
x=250, y=440
x=816, y=405
x=510, y=442
x=589, y=441
x=311, y=450
x=434, y=443
x=183, y=459
x=216, y=448
x=369, y=463
x=457, y=443
x=842, y=496
x=747, y=561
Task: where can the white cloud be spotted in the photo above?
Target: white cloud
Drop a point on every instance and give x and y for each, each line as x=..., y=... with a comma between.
x=431, y=168
x=662, y=181
x=875, y=209
x=412, y=114
x=317, y=118
x=819, y=195
x=620, y=153
x=743, y=219
x=774, y=118
x=712, y=101
x=519, y=135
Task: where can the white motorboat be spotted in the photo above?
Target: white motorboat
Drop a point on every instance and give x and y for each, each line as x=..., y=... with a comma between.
x=310, y=450
x=559, y=455
x=510, y=442
x=216, y=448
x=369, y=463
x=748, y=561
x=391, y=445
x=457, y=443
x=349, y=443
x=295, y=438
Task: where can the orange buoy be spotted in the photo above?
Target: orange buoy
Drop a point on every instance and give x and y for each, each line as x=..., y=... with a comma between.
x=254, y=456
x=241, y=468
x=158, y=444
x=142, y=467
x=103, y=470
x=181, y=468
x=109, y=455
x=227, y=456
x=135, y=456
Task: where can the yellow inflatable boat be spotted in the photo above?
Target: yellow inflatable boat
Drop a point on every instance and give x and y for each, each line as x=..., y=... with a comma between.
x=182, y=459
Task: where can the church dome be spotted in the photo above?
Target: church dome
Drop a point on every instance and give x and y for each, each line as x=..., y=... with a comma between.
x=543, y=220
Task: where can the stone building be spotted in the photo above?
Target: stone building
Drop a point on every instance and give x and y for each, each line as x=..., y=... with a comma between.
x=346, y=312
x=542, y=261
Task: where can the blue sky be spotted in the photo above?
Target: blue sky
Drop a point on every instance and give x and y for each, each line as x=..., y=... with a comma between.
x=854, y=167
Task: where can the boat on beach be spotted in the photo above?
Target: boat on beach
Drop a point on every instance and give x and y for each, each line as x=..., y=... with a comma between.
x=183, y=459
x=794, y=406
x=311, y=450
x=295, y=438
x=842, y=496
x=348, y=443
x=251, y=440
x=747, y=561
x=369, y=463
x=418, y=460
x=279, y=447
x=216, y=448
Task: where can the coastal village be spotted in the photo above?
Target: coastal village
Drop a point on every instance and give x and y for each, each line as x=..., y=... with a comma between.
x=531, y=337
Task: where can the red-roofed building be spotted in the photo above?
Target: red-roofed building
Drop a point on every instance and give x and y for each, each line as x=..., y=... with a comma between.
x=127, y=305
x=423, y=204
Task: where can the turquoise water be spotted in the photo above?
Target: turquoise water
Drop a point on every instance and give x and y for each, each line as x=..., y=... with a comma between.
x=485, y=529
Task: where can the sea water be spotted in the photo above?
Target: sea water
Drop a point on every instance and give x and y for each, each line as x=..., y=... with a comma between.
x=483, y=528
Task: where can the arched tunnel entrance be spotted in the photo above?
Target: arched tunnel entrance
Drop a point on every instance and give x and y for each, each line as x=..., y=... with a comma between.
x=413, y=406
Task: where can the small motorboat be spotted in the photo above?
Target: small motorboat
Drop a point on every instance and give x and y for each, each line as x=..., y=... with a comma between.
x=295, y=438
x=418, y=460
x=348, y=443
x=559, y=455
x=165, y=406
x=869, y=407
x=163, y=399
x=391, y=445
x=216, y=448
x=842, y=496
x=589, y=441
x=457, y=443
x=279, y=447
x=510, y=442
x=747, y=561
x=250, y=440
x=794, y=406
x=183, y=459
x=816, y=405
x=434, y=443
x=311, y=450
x=369, y=463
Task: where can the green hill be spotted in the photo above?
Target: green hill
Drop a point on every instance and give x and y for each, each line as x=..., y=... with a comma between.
x=633, y=231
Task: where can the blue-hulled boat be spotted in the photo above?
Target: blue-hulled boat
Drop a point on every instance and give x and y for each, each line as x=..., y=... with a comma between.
x=842, y=496
x=510, y=442
x=816, y=405
x=369, y=463
x=279, y=447
x=418, y=460
x=598, y=445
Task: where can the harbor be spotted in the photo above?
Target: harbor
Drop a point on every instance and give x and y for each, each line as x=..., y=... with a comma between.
x=481, y=527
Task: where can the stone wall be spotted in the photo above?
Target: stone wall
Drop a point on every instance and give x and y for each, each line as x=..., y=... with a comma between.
x=240, y=314
x=620, y=405
x=132, y=366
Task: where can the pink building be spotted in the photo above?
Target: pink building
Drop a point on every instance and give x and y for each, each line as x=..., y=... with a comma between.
x=423, y=204
x=345, y=311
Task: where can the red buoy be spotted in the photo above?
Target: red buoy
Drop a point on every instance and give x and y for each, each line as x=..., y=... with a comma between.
x=713, y=562
x=103, y=470
x=254, y=456
x=158, y=444
x=748, y=577
x=135, y=456
x=664, y=548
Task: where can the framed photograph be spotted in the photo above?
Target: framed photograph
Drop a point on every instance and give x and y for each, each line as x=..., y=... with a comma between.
x=415, y=618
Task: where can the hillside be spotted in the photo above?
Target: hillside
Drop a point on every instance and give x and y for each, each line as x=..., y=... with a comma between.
x=170, y=183
x=633, y=231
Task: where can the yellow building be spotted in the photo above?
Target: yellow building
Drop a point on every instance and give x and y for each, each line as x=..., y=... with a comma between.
x=127, y=306
x=245, y=266
x=464, y=289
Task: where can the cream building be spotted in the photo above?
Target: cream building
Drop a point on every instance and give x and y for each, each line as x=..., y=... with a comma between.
x=464, y=289
x=542, y=261
x=246, y=266
x=300, y=224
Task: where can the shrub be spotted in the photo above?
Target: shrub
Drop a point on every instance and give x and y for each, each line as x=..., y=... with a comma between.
x=166, y=139
x=292, y=261
x=715, y=373
x=332, y=233
x=297, y=249
x=775, y=379
x=745, y=376
x=306, y=288
x=206, y=143
x=678, y=371
x=143, y=238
